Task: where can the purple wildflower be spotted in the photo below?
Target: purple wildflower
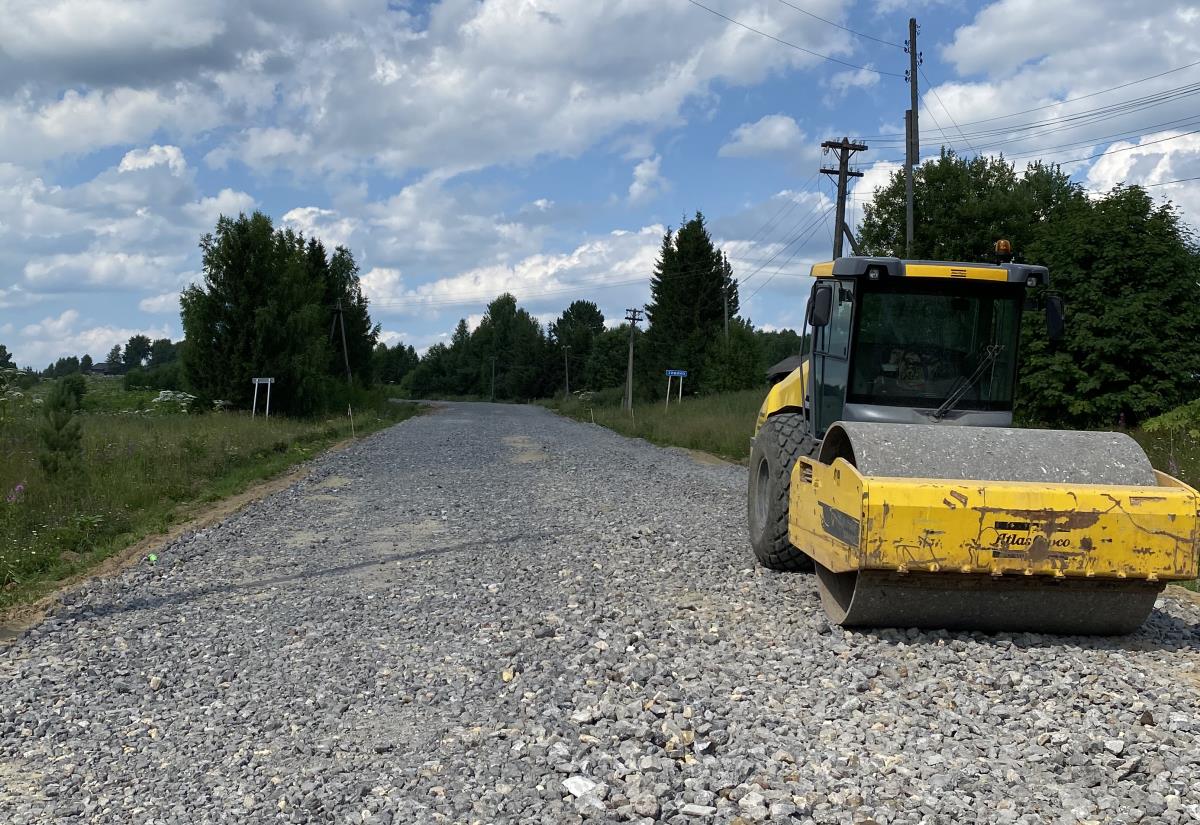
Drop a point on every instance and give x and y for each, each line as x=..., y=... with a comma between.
x=15, y=494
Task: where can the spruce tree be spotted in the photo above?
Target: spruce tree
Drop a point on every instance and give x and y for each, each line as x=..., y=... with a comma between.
x=691, y=284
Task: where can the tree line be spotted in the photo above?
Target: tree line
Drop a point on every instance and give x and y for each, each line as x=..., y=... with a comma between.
x=274, y=303
x=694, y=324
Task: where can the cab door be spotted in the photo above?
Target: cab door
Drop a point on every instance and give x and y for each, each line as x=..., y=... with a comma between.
x=831, y=357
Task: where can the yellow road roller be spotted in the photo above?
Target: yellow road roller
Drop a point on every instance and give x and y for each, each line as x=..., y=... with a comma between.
x=886, y=463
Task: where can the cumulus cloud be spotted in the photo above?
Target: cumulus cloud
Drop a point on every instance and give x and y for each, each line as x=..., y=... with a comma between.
x=333, y=229
x=57, y=336
x=164, y=303
x=604, y=261
x=1151, y=164
x=648, y=181
x=96, y=269
x=170, y=156
x=1033, y=57
x=769, y=135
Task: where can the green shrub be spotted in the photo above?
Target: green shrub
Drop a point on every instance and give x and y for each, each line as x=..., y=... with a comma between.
x=60, y=436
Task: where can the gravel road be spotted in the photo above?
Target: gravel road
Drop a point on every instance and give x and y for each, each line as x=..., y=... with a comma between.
x=491, y=614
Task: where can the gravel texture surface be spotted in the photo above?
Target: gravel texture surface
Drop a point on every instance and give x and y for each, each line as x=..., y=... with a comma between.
x=491, y=614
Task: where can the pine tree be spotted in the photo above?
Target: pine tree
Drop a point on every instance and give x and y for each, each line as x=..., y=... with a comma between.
x=60, y=437
x=573, y=335
x=691, y=284
x=114, y=359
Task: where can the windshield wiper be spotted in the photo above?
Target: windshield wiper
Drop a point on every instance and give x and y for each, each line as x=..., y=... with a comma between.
x=990, y=354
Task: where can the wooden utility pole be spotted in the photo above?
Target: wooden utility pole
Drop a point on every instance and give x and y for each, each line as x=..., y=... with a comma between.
x=632, y=316
x=345, y=352
x=845, y=149
x=912, y=142
x=341, y=322
x=725, y=295
x=567, y=370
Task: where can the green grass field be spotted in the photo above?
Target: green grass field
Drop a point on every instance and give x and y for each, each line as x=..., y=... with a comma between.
x=717, y=424
x=143, y=469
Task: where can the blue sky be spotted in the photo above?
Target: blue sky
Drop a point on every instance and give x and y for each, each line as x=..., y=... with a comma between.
x=464, y=148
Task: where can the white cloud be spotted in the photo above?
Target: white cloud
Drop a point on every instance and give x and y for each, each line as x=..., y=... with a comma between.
x=769, y=135
x=167, y=302
x=96, y=269
x=326, y=224
x=80, y=122
x=843, y=82
x=1147, y=163
x=58, y=336
x=171, y=156
x=1032, y=57
x=52, y=327
x=596, y=264
x=262, y=148
x=648, y=181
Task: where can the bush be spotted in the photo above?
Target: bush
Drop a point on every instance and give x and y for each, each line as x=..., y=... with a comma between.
x=166, y=377
x=59, y=436
x=75, y=387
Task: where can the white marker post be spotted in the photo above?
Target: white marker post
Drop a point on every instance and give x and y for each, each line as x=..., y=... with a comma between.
x=680, y=374
x=254, y=407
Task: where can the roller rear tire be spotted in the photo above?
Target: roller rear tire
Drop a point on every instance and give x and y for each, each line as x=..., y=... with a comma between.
x=780, y=441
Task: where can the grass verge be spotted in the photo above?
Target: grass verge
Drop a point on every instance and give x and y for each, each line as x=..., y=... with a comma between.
x=141, y=472
x=718, y=424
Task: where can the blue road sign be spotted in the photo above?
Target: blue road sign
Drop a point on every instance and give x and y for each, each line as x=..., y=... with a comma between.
x=677, y=373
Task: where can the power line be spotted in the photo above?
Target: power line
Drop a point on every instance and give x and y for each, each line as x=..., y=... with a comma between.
x=1111, y=151
x=795, y=252
x=781, y=249
x=840, y=26
x=1059, y=102
x=1167, y=182
x=1039, y=152
x=945, y=140
x=938, y=98
x=792, y=45
x=1131, y=132
x=1080, y=118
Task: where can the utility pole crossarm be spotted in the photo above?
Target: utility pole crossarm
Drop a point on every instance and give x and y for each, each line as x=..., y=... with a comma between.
x=844, y=149
x=632, y=316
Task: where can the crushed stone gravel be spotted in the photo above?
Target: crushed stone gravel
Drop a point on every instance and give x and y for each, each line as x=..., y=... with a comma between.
x=490, y=614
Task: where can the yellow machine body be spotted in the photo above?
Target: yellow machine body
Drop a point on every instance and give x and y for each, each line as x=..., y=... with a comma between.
x=786, y=396
x=850, y=522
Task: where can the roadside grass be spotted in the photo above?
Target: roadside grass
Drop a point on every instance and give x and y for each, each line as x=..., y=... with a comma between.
x=718, y=424
x=142, y=470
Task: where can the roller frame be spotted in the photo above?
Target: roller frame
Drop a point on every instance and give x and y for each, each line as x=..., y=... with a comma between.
x=1059, y=556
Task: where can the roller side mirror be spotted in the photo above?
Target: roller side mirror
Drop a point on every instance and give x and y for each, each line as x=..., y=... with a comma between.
x=822, y=305
x=1055, y=318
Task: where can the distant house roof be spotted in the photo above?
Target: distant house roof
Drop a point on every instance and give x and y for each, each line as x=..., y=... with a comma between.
x=103, y=368
x=777, y=372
